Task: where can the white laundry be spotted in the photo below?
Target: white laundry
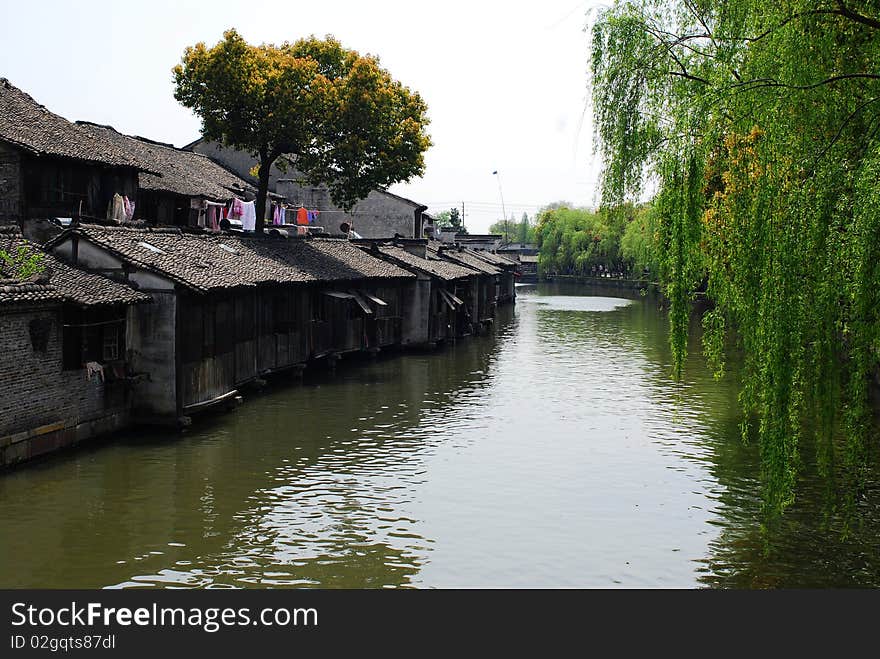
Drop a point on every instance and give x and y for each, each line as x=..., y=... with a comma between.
x=94, y=368
x=249, y=216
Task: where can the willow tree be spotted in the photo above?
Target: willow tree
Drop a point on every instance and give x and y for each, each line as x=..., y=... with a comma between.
x=758, y=122
x=342, y=117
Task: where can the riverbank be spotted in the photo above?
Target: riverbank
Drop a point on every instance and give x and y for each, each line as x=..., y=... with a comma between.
x=611, y=283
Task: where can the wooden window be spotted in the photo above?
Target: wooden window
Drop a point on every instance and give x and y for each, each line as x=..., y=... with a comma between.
x=91, y=336
x=111, y=345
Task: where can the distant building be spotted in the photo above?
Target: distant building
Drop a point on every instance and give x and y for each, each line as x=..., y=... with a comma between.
x=515, y=249
x=381, y=215
x=526, y=256
x=486, y=242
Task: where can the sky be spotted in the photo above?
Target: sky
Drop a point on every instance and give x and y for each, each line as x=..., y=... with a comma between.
x=506, y=83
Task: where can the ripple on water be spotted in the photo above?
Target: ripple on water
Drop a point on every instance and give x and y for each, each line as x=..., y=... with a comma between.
x=558, y=453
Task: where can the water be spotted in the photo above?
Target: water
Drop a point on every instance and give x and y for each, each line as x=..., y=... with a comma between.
x=555, y=453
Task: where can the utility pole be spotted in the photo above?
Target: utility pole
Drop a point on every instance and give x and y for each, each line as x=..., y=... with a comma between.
x=503, y=210
x=462, y=217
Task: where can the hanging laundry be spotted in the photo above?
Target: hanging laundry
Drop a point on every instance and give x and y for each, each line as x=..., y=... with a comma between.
x=313, y=216
x=302, y=216
x=236, y=208
x=116, y=208
x=248, y=216
x=128, y=208
x=94, y=368
x=216, y=212
x=278, y=215
x=197, y=208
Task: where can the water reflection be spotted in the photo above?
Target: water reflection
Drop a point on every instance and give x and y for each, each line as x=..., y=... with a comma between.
x=556, y=452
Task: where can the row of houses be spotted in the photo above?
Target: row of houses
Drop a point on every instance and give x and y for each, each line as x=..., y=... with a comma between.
x=156, y=316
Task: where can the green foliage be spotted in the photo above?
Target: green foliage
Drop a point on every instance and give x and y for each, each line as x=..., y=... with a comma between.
x=575, y=240
x=21, y=264
x=450, y=219
x=639, y=244
x=513, y=231
x=345, y=120
x=525, y=232
x=759, y=122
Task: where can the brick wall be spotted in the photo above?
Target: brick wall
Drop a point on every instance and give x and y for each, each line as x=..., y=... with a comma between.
x=44, y=407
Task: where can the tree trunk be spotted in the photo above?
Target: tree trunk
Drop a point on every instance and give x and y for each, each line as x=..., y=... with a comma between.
x=263, y=190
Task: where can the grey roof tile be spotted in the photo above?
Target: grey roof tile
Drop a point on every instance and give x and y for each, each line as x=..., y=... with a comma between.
x=465, y=257
x=60, y=281
x=207, y=262
x=441, y=269
x=177, y=171
x=31, y=127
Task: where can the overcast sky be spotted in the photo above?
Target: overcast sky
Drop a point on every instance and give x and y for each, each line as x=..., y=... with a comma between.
x=505, y=83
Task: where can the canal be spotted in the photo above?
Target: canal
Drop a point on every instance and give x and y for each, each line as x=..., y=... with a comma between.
x=556, y=452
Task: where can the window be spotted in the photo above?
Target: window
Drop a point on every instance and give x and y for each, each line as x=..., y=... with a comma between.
x=91, y=336
x=111, y=346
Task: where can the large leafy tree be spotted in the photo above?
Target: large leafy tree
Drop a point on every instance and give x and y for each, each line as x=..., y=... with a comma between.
x=342, y=117
x=758, y=120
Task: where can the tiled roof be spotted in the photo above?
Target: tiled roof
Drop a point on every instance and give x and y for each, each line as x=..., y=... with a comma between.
x=18, y=292
x=444, y=270
x=494, y=259
x=206, y=262
x=464, y=257
x=181, y=172
x=342, y=256
x=65, y=282
x=30, y=126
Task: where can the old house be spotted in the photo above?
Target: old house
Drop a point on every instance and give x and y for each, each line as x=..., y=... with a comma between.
x=505, y=289
x=381, y=215
x=483, y=292
x=528, y=268
x=182, y=185
x=64, y=338
x=489, y=242
x=50, y=167
x=228, y=309
x=436, y=310
x=525, y=255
